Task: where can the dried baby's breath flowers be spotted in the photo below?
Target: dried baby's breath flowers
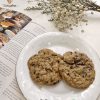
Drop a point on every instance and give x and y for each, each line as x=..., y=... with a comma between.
x=64, y=13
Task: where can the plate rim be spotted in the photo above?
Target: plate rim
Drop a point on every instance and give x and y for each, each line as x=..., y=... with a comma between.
x=39, y=36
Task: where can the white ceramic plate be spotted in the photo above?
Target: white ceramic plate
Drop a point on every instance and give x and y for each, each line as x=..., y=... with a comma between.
x=59, y=42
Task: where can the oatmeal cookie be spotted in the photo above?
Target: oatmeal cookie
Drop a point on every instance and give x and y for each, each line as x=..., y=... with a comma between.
x=77, y=70
x=44, y=67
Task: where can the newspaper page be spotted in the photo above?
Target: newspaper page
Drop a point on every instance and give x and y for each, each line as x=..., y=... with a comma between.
x=16, y=30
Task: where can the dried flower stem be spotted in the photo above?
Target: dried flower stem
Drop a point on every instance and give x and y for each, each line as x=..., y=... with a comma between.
x=65, y=13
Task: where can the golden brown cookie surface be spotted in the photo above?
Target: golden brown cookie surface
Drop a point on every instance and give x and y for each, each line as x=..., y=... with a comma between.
x=77, y=70
x=44, y=67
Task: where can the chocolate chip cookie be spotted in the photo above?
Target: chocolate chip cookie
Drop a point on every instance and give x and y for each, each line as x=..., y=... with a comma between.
x=77, y=70
x=44, y=67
